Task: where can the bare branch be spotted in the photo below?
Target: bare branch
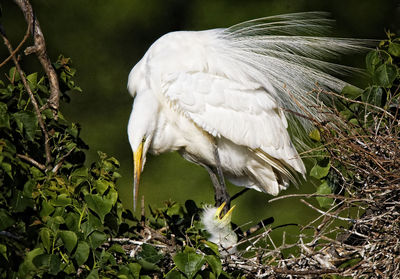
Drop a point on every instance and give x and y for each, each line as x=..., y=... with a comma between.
x=32, y=161
x=39, y=48
x=18, y=47
x=33, y=100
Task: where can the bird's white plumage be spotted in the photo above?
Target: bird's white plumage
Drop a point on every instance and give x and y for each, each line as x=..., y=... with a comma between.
x=219, y=228
x=228, y=87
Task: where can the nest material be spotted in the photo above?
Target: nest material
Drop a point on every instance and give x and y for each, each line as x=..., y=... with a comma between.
x=359, y=235
x=366, y=165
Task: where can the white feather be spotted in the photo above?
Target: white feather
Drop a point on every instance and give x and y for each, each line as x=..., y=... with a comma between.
x=229, y=87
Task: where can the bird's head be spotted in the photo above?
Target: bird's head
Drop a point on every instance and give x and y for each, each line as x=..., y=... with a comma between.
x=214, y=219
x=141, y=128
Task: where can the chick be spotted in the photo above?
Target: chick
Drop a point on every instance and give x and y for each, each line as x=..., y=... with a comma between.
x=219, y=228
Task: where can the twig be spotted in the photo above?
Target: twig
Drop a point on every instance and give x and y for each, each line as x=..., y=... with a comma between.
x=135, y=242
x=33, y=100
x=328, y=214
x=39, y=48
x=32, y=161
x=59, y=164
x=305, y=272
x=18, y=47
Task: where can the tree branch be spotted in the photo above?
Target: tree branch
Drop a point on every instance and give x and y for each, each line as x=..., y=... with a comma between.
x=39, y=48
x=32, y=161
x=34, y=102
x=18, y=47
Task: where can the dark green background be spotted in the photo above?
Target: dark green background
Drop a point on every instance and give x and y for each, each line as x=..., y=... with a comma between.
x=106, y=38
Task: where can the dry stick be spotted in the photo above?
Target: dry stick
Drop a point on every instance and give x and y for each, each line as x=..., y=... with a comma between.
x=362, y=103
x=328, y=214
x=32, y=161
x=18, y=47
x=34, y=103
x=59, y=164
x=306, y=272
x=39, y=48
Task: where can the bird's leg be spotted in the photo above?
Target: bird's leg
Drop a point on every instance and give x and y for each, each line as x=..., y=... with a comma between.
x=217, y=179
x=221, y=195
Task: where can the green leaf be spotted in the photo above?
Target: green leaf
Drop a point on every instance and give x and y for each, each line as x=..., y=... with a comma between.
x=215, y=264
x=174, y=274
x=324, y=189
x=385, y=75
x=82, y=252
x=320, y=171
x=372, y=60
x=394, y=49
x=5, y=220
x=72, y=221
x=150, y=254
x=55, y=264
x=7, y=168
x=28, y=266
x=13, y=74
x=214, y=247
x=134, y=269
x=3, y=251
x=92, y=223
x=62, y=200
x=4, y=116
x=117, y=249
x=47, y=209
x=189, y=263
x=42, y=261
x=96, y=239
x=101, y=186
x=112, y=196
x=351, y=91
x=148, y=265
x=94, y=274
x=100, y=205
x=70, y=239
x=315, y=135
x=45, y=236
x=27, y=121
x=20, y=202
x=32, y=80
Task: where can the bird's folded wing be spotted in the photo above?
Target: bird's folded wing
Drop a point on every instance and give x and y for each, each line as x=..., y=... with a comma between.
x=243, y=113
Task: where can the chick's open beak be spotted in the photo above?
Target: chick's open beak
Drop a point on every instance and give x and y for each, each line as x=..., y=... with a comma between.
x=137, y=169
x=227, y=216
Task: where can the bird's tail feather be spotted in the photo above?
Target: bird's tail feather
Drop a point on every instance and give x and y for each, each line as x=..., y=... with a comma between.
x=286, y=53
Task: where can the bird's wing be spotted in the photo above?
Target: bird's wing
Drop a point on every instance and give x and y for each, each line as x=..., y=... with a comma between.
x=244, y=113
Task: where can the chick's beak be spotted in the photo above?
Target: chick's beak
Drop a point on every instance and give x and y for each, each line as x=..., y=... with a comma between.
x=227, y=216
x=137, y=169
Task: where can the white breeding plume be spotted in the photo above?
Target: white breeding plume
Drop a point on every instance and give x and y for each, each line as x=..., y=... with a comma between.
x=222, y=97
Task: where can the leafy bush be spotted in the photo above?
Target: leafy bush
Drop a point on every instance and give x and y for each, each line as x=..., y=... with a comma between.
x=65, y=220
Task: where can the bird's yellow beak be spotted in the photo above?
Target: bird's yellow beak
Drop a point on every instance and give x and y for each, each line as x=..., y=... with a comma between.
x=227, y=216
x=137, y=169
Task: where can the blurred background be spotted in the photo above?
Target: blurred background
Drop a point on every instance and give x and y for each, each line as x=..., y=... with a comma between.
x=105, y=39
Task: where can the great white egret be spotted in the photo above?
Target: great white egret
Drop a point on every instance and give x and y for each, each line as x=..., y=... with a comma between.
x=218, y=225
x=223, y=97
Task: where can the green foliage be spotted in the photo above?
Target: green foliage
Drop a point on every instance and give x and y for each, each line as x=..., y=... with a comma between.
x=60, y=220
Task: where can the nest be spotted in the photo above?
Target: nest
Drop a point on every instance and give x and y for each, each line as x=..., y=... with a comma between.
x=359, y=235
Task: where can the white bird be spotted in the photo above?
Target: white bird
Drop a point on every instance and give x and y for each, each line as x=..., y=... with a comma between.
x=223, y=98
x=218, y=225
